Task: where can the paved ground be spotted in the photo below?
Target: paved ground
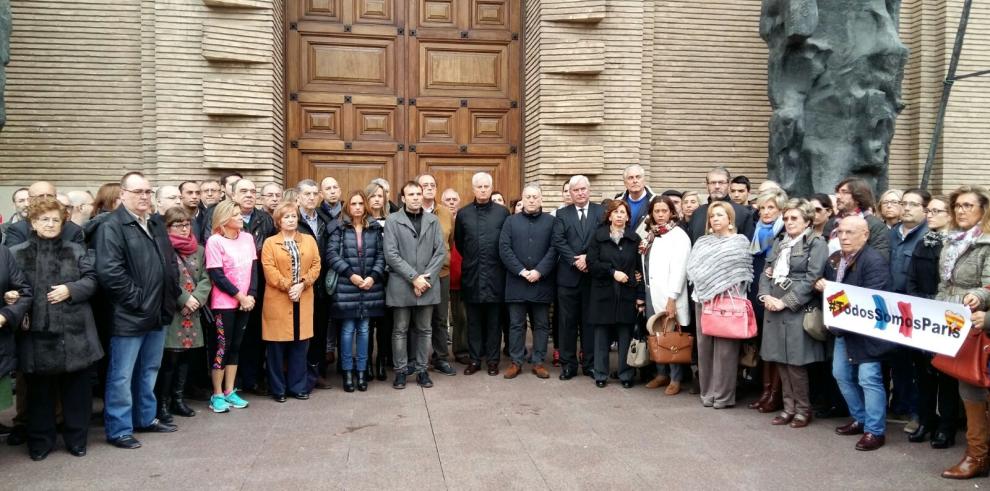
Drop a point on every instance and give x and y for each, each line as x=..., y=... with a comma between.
x=484, y=432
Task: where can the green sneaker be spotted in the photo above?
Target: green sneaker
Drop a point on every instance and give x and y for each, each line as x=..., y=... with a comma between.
x=235, y=400
x=218, y=404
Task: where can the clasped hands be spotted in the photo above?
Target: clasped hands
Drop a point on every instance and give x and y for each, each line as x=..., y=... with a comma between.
x=364, y=283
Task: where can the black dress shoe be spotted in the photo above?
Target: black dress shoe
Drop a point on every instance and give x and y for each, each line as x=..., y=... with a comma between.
x=362, y=381
x=400, y=380
x=126, y=441
x=444, y=368
x=302, y=396
x=472, y=368
x=587, y=372
x=493, y=369
x=157, y=426
x=943, y=439
x=918, y=435
x=18, y=436
x=567, y=374
x=79, y=451
x=627, y=384
x=37, y=455
x=600, y=383
x=279, y=397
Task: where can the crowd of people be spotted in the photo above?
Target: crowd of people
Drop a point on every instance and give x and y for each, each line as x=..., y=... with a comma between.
x=217, y=289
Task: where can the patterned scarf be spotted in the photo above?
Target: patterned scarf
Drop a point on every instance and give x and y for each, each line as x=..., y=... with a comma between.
x=658, y=231
x=187, y=284
x=956, y=245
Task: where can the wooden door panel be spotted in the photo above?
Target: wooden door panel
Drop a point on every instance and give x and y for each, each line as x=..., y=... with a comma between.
x=352, y=171
x=374, y=12
x=456, y=172
x=452, y=69
x=347, y=64
x=490, y=14
x=438, y=13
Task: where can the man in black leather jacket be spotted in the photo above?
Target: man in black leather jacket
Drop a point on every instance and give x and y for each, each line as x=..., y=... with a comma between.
x=136, y=265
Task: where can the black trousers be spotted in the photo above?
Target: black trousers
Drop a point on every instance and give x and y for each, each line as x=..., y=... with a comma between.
x=317, y=352
x=573, y=303
x=74, y=389
x=603, y=337
x=484, y=331
x=251, y=368
x=938, y=395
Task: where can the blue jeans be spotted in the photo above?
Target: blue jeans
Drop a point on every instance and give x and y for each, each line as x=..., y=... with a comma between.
x=676, y=372
x=864, y=392
x=347, y=329
x=130, y=396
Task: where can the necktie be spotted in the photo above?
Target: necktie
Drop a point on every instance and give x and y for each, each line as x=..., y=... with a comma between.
x=583, y=221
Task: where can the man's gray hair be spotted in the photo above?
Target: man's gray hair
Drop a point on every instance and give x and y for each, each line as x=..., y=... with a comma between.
x=629, y=168
x=307, y=182
x=533, y=186
x=476, y=179
x=575, y=180
x=719, y=170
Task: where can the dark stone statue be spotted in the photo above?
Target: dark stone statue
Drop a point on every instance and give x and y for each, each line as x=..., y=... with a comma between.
x=4, y=54
x=834, y=83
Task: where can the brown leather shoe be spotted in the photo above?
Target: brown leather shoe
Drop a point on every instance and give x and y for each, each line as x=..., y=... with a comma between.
x=853, y=428
x=511, y=372
x=658, y=381
x=492, y=369
x=869, y=441
x=782, y=419
x=673, y=389
x=968, y=468
x=801, y=420
x=541, y=371
x=472, y=368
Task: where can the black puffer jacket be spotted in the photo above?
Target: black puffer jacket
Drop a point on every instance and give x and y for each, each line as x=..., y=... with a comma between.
x=351, y=302
x=11, y=278
x=139, y=273
x=476, y=234
x=61, y=337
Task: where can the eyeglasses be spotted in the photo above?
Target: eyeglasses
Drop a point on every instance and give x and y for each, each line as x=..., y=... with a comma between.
x=269, y=195
x=181, y=225
x=139, y=192
x=428, y=185
x=934, y=212
x=910, y=204
x=967, y=207
x=790, y=219
x=891, y=202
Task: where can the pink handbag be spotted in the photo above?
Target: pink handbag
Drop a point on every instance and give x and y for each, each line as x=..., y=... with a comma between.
x=728, y=316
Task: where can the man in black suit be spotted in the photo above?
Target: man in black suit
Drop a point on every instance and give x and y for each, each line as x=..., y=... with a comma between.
x=20, y=231
x=572, y=231
x=312, y=223
x=717, y=182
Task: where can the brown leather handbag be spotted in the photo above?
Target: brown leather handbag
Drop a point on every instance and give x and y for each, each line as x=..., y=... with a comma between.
x=970, y=363
x=668, y=344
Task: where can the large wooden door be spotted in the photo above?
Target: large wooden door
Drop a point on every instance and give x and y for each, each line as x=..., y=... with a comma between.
x=394, y=88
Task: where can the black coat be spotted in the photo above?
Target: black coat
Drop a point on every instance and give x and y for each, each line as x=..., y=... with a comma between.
x=477, y=229
x=613, y=302
x=351, y=302
x=922, y=274
x=19, y=232
x=869, y=269
x=570, y=239
x=61, y=337
x=745, y=222
x=525, y=243
x=11, y=278
x=322, y=236
x=139, y=273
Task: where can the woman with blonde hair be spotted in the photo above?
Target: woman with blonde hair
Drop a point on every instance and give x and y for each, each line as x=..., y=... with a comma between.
x=720, y=263
x=889, y=207
x=230, y=261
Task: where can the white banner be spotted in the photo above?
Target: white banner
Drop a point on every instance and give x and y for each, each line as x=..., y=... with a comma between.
x=931, y=325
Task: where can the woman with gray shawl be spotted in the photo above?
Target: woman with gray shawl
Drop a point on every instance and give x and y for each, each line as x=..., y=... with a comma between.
x=720, y=262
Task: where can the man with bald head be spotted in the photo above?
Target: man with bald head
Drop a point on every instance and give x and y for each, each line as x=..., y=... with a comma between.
x=857, y=359
x=330, y=207
x=20, y=231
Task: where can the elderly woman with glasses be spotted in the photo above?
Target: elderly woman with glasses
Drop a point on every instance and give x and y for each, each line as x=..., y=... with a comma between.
x=796, y=261
x=964, y=272
x=58, y=345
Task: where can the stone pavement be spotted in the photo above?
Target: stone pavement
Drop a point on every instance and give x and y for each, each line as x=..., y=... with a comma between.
x=482, y=432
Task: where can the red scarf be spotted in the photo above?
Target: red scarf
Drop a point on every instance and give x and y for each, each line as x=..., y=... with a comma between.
x=184, y=246
x=658, y=231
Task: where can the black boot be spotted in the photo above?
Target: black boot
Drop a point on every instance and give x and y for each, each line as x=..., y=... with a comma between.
x=380, y=368
x=178, y=406
x=362, y=381
x=348, y=381
x=163, y=415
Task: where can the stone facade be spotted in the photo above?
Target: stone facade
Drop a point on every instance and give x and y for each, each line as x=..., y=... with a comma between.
x=185, y=88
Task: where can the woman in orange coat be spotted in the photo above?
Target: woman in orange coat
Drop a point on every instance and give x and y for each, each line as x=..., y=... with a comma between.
x=291, y=262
